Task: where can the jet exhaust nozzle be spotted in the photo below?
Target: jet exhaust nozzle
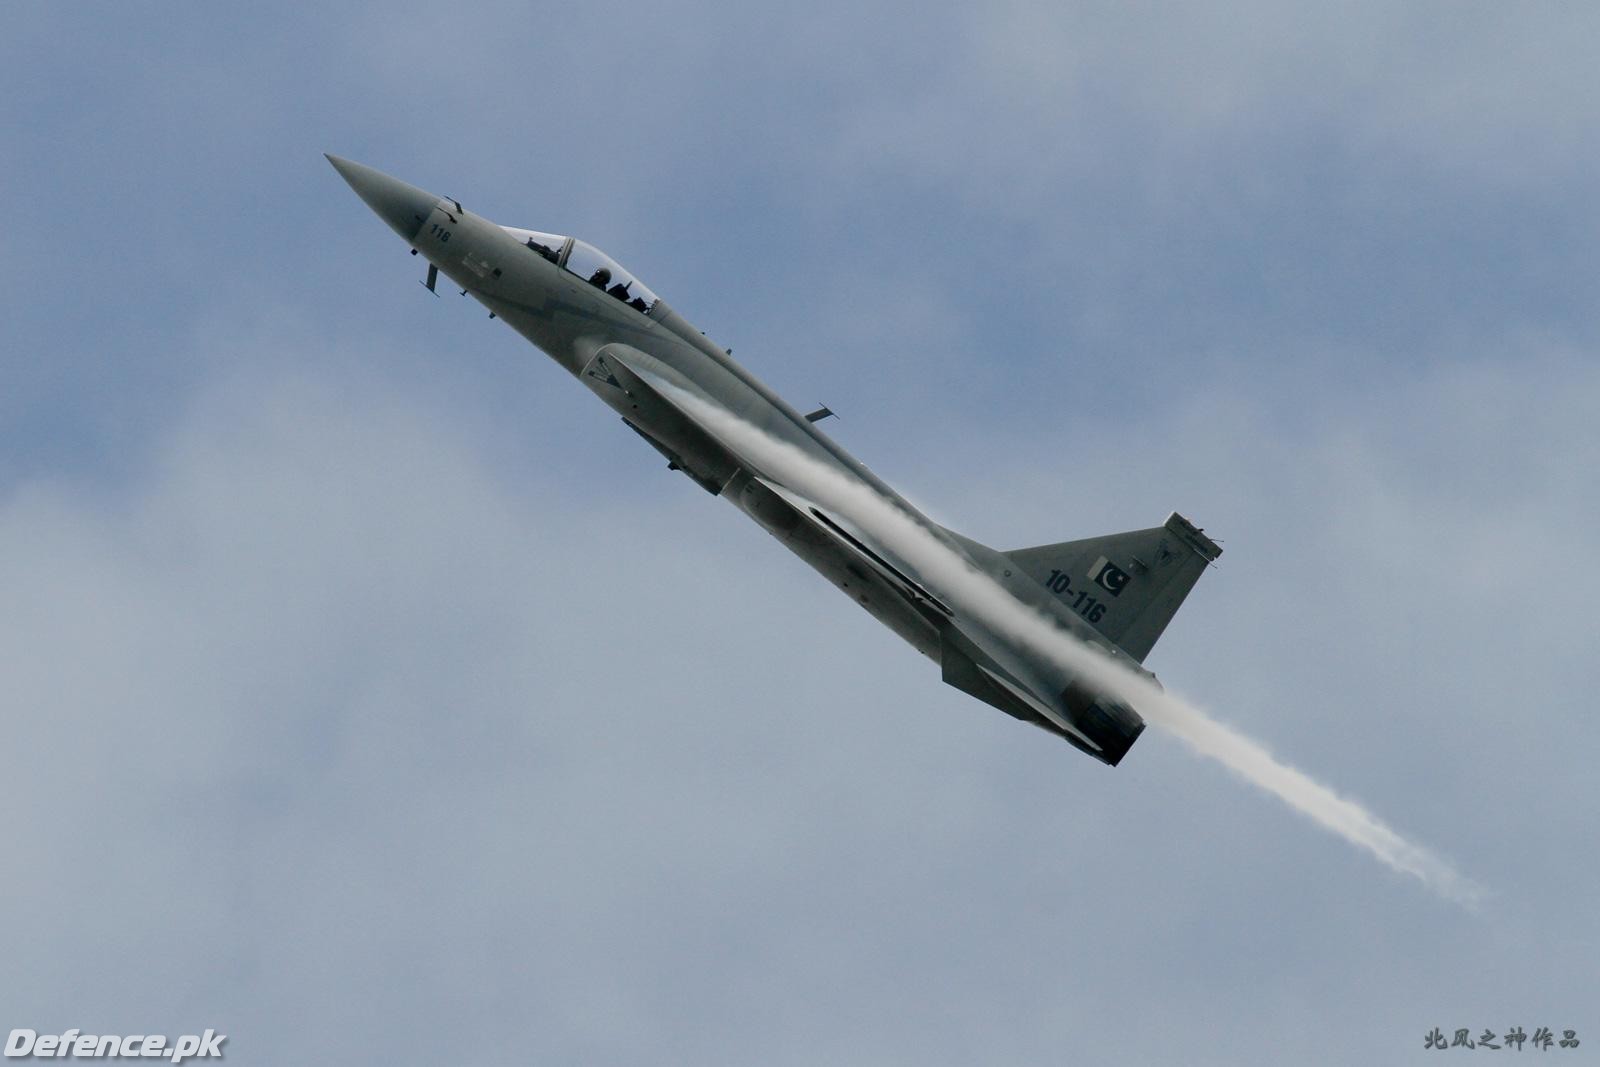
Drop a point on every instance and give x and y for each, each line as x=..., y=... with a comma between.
x=1114, y=727
x=1109, y=723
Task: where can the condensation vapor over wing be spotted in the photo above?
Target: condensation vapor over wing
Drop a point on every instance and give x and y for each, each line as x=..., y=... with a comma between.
x=955, y=580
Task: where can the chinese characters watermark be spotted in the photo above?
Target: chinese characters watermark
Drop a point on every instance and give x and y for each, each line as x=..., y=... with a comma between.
x=1543, y=1039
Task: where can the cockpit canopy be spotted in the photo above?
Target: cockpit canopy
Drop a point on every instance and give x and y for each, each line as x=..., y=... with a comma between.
x=590, y=264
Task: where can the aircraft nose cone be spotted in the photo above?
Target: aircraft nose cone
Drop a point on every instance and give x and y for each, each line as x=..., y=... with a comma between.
x=404, y=207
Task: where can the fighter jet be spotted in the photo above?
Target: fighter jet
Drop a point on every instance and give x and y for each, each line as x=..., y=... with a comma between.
x=1115, y=593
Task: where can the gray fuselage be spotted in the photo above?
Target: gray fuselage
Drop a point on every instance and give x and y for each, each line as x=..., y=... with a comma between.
x=525, y=279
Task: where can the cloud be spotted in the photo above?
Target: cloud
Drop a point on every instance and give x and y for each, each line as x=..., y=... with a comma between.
x=395, y=691
x=319, y=698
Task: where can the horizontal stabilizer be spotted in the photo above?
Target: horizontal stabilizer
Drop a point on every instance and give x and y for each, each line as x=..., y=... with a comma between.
x=1126, y=585
x=964, y=668
x=1045, y=711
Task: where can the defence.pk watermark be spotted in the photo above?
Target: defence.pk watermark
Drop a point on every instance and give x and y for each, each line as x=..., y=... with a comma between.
x=24, y=1043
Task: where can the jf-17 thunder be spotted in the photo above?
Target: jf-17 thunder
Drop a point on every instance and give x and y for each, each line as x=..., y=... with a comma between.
x=1114, y=593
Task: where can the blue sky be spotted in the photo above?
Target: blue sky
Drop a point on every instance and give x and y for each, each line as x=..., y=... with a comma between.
x=373, y=691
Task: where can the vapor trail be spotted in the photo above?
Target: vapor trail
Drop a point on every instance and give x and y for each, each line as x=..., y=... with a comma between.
x=950, y=575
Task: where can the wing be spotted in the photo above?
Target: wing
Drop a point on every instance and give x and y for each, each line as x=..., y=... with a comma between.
x=843, y=531
x=632, y=370
x=966, y=666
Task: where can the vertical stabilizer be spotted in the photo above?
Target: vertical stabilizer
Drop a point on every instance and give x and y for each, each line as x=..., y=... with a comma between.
x=1126, y=585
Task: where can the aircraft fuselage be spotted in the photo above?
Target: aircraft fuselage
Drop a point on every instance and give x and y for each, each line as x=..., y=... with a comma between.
x=631, y=352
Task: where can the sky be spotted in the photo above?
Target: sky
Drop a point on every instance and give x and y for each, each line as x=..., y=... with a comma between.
x=372, y=693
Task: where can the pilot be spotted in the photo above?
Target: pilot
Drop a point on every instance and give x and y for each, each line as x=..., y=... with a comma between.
x=600, y=278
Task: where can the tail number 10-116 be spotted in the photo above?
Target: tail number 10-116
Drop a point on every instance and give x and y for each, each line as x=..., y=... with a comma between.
x=1081, y=602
